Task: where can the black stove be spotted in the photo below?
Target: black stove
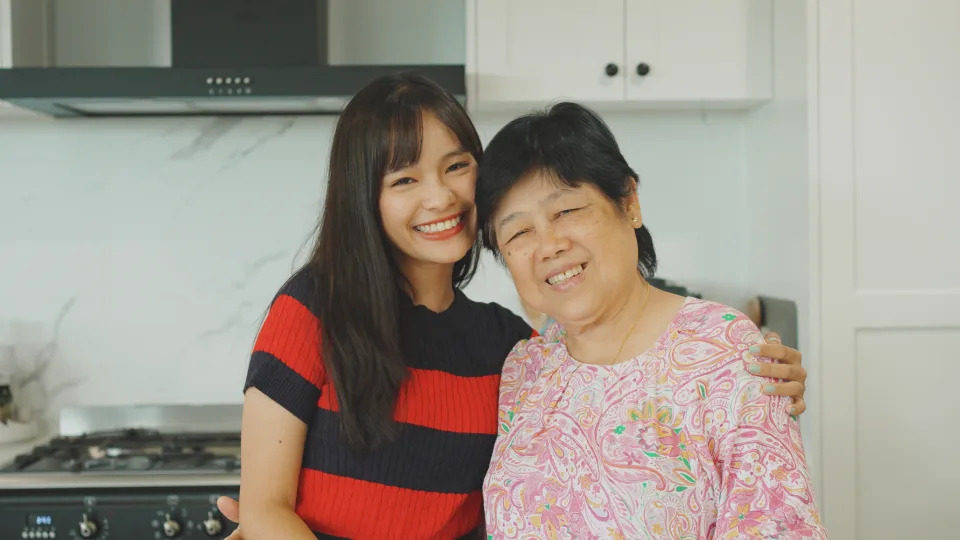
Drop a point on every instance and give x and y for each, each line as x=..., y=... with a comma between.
x=124, y=484
x=133, y=450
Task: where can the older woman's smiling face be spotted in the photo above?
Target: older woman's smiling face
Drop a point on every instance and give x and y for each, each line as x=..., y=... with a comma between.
x=572, y=252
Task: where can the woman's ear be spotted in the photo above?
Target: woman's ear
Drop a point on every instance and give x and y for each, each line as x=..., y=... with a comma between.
x=632, y=208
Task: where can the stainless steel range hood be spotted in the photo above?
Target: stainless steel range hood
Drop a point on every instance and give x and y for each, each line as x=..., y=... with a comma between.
x=182, y=57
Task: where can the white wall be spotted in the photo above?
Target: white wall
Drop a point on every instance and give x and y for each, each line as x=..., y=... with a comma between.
x=112, y=33
x=6, y=31
x=776, y=170
x=408, y=32
x=164, y=239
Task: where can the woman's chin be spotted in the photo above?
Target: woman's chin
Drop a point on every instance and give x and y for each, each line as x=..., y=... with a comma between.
x=450, y=256
x=572, y=322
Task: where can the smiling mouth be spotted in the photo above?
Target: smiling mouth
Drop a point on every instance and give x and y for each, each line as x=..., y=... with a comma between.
x=439, y=226
x=557, y=279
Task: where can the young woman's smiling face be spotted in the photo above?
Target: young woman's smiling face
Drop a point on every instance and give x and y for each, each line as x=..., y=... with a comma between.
x=427, y=208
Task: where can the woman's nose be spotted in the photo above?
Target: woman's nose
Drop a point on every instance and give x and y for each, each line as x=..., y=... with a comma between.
x=552, y=243
x=439, y=196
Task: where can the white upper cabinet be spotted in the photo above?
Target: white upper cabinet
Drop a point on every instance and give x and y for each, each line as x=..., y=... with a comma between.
x=689, y=50
x=529, y=50
x=619, y=53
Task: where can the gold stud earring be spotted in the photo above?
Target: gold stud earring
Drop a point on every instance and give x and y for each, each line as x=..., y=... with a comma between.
x=634, y=220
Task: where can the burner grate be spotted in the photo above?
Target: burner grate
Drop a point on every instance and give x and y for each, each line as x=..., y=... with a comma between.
x=133, y=450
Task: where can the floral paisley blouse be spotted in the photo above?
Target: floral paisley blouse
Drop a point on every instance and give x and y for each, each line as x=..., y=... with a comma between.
x=678, y=442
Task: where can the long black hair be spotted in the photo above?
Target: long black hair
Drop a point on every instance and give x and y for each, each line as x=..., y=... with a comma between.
x=572, y=144
x=358, y=282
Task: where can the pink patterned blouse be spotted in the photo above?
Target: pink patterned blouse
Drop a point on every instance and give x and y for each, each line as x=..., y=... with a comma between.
x=678, y=442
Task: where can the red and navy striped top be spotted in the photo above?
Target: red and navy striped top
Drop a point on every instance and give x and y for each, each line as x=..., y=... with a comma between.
x=425, y=483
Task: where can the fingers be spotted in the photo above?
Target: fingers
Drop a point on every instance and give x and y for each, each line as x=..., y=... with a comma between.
x=230, y=508
x=798, y=406
x=794, y=389
x=788, y=369
x=785, y=372
x=780, y=353
x=235, y=535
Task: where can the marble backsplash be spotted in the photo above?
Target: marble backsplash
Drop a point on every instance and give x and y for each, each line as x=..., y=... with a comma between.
x=138, y=256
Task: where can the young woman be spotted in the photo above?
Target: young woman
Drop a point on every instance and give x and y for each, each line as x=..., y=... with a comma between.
x=370, y=407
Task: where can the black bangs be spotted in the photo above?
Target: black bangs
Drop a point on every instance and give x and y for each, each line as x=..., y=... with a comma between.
x=403, y=120
x=406, y=136
x=568, y=143
x=556, y=176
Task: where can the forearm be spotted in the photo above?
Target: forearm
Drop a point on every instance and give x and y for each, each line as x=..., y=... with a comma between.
x=271, y=521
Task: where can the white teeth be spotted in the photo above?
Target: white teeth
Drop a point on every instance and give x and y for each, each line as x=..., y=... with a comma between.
x=439, y=227
x=563, y=276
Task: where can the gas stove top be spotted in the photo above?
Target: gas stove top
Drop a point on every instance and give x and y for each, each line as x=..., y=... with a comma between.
x=133, y=451
x=160, y=479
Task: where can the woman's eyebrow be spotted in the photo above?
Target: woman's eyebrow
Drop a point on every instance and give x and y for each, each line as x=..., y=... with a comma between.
x=543, y=202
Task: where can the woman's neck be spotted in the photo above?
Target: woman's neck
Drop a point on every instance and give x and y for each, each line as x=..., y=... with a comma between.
x=599, y=341
x=430, y=284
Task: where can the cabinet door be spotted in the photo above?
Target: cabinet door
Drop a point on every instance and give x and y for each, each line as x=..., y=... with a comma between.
x=538, y=51
x=698, y=50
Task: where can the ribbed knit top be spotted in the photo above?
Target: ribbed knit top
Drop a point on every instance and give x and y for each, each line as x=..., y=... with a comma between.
x=426, y=481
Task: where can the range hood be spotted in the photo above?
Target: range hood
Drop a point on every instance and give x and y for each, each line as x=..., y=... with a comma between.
x=189, y=57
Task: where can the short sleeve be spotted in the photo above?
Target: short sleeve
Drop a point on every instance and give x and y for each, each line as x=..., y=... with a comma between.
x=286, y=363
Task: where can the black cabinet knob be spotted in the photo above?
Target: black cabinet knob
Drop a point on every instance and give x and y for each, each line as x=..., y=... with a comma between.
x=611, y=70
x=643, y=69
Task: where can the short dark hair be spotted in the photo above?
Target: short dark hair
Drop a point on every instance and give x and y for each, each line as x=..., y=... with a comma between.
x=572, y=144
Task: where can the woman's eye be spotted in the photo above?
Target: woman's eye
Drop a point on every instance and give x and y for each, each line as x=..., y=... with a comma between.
x=517, y=235
x=565, y=212
x=458, y=166
x=402, y=181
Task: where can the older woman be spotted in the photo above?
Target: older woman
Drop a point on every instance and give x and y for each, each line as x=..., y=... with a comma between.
x=634, y=415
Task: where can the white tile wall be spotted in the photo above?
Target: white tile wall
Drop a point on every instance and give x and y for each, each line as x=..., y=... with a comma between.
x=161, y=241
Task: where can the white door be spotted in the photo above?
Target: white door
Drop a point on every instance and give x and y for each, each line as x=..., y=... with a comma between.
x=889, y=182
x=538, y=51
x=698, y=49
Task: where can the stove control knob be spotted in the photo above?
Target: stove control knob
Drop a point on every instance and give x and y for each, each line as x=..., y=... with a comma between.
x=212, y=526
x=171, y=527
x=88, y=527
